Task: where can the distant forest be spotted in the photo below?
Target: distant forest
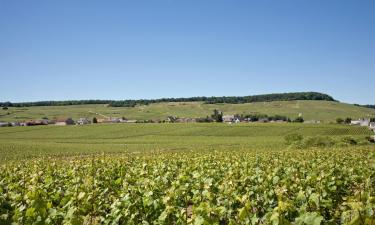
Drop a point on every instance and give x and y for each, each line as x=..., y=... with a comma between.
x=367, y=106
x=207, y=100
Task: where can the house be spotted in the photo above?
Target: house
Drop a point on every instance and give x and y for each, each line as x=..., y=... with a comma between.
x=63, y=122
x=123, y=120
x=131, y=121
x=110, y=120
x=15, y=124
x=103, y=120
x=4, y=124
x=42, y=122
x=228, y=118
x=114, y=120
x=186, y=120
x=312, y=121
x=361, y=122
x=83, y=121
x=372, y=126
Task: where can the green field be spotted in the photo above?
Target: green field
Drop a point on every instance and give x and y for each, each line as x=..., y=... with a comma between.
x=311, y=110
x=21, y=142
x=185, y=174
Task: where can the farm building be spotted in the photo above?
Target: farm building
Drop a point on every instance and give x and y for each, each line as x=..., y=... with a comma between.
x=372, y=126
x=131, y=121
x=4, y=124
x=186, y=120
x=102, y=120
x=312, y=121
x=15, y=124
x=228, y=118
x=109, y=120
x=263, y=120
x=63, y=122
x=361, y=122
x=83, y=121
x=115, y=120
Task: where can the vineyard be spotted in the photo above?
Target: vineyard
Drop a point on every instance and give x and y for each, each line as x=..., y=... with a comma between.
x=334, y=186
x=185, y=174
x=29, y=142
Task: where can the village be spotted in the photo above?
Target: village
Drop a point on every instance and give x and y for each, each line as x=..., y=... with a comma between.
x=216, y=117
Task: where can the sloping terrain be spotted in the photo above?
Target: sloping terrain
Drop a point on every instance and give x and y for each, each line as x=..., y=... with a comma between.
x=326, y=111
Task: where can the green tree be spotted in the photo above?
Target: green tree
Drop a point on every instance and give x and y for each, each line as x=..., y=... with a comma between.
x=339, y=120
x=348, y=120
x=217, y=116
x=94, y=120
x=298, y=120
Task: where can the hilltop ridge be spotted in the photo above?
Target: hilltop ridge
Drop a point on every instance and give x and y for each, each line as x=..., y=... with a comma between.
x=208, y=100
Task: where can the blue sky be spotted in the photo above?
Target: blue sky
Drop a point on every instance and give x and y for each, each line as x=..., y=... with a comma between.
x=59, y=50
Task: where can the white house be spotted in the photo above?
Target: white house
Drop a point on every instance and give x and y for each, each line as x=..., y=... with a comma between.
x=372, y=126
x=312, y=121
x=361, y=122
x=4, y=124
x=228, y=118
x=364, y=122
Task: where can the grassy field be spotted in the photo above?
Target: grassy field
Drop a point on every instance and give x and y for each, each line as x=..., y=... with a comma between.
x=185, y=174
x=24, y=142
x=317, y=110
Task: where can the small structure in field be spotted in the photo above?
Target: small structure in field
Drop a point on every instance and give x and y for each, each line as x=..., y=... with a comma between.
x=115, y=120
x=361, y=122
x=110, y=120
x=186, y=120
x=312, y=121
x=102, y=120
x=15, y=124
x=131, y=121
x=83, y=121
x=228, y=118
x=64, y=121
x=372, y=126
x=263, y=120
x=4, y=124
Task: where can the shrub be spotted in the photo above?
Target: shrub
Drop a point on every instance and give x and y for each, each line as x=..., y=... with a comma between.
x=319, y=141
x=298, y=120
x=371, y=139
x=293, y=138
x=339, y=120
x=349, y=141
x=94, y=120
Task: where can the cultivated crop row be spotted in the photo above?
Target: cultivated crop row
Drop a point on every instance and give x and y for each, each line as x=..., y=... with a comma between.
x=331, y=186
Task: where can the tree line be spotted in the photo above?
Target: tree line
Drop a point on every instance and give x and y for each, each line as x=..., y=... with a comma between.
x=206, y=100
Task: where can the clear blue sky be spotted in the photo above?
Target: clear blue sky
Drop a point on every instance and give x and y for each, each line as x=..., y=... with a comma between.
x=59, y=50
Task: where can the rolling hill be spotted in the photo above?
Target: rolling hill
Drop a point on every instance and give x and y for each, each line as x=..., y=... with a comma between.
x=326, y=111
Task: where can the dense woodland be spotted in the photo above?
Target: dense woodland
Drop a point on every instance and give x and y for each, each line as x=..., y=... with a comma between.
x=369, y=106
x=207, y=100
